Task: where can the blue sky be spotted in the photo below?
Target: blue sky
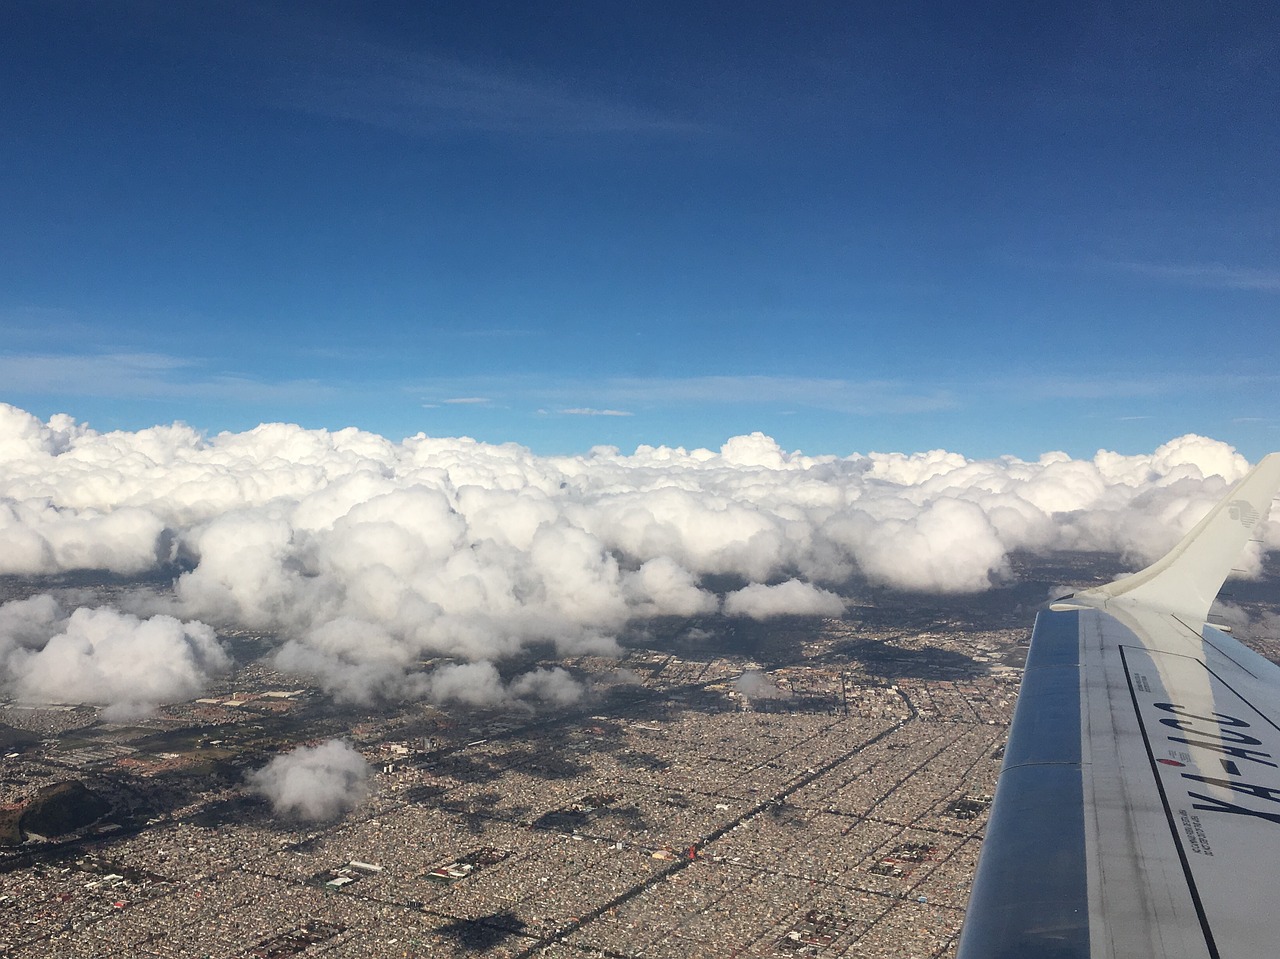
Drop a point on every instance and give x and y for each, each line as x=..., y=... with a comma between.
x=1008, y=230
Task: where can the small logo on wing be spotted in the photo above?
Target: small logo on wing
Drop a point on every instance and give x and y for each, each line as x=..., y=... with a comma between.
x=1243, y=512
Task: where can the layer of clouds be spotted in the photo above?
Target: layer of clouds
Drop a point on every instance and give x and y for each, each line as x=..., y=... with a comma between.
x=315, y=783
x=367, y=557
x=103, y=657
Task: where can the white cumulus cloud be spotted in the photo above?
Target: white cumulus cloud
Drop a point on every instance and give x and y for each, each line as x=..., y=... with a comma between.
x=755, y=684
x=315, y=783
x=365, y=556
x=103, y=657
x=792, y=598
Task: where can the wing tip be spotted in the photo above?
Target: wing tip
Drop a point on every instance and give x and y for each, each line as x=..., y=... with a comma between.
x=1186, y=580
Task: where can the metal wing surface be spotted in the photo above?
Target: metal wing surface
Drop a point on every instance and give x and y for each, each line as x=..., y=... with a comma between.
x=1138, y=808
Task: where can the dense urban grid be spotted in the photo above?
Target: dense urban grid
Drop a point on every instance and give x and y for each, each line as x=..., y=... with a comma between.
x=799, y=787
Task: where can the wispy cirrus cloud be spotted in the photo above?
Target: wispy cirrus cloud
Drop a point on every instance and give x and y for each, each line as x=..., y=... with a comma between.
x=1122, y=384
x=144, y=376
x=1220, y=276
x=425, y=93
x=614, y=396
x=864, y=397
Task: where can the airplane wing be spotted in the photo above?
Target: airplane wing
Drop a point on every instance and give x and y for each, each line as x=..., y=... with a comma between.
x=1138, y=808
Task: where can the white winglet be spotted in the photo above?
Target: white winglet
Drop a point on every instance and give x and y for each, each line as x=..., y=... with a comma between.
x=1186, y=580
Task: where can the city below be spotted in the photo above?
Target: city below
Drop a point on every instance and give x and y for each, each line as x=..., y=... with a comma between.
x=798, y=787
